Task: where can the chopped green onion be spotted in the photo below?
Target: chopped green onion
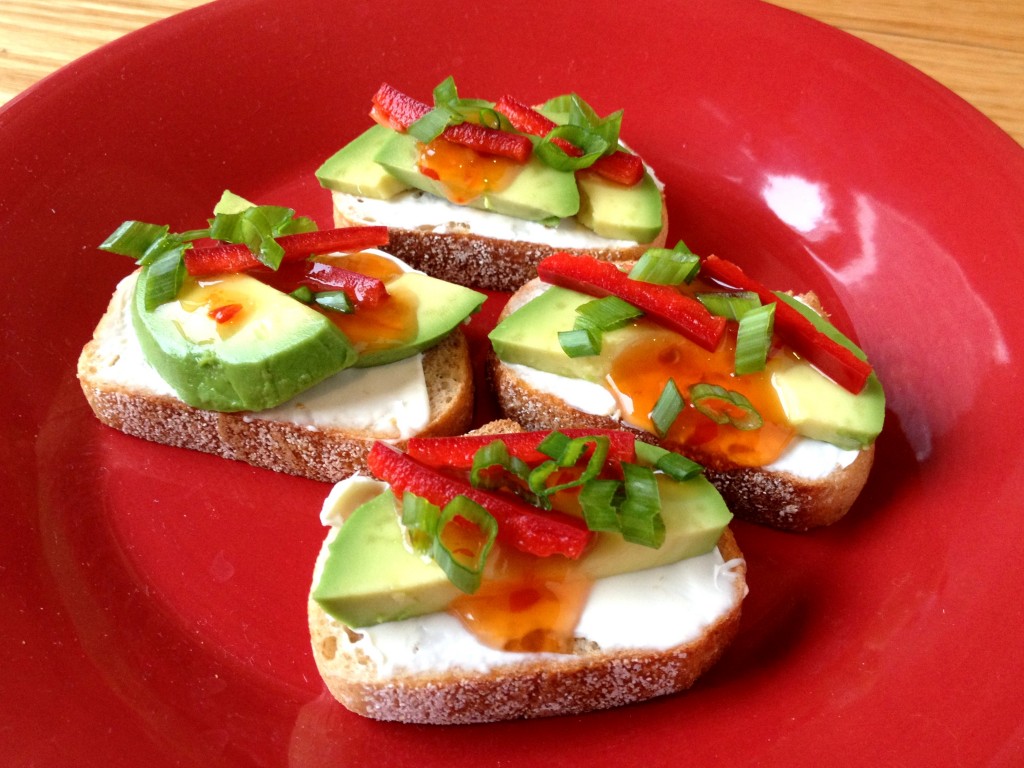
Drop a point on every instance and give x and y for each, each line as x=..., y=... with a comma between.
x=257, y=226
x=666, y=266
x=303, y=294
x=731, y=306
x=463, y=562
x=336, y=301
x=725, y=406
x=640, y=513
x=600, y=500
x=565, y=453
x=592, y=144
x=420, y=518
x=134, y=239
x=754, y=339
x=164, y=277
x=667, y=409
x=489, y=118
x=606, y=314
x=445, y=92
x=495, y=454
x=433, y=123
x=593, y=319
x=582, y=114
x=675, y=465
x=580, y=342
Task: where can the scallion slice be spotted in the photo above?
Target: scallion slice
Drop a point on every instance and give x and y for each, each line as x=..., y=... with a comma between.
x=495, y=455
x=591, y=143
x=433, y=123
x=336, y=301
x=667, y=409
x=666, y=266
x=420, y=518
x=731, y=306
x=580, y=342
x=640, y=513
x=606, y=313
x=754, y=339
x=134, y=239
x=164, y=277
x=257, y=226
x=675, y=465
x=593, y=319
x=566, y=452
x=465, y=534
x=599, y=501
x=725, y=406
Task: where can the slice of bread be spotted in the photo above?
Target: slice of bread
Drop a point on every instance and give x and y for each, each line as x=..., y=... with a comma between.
x=780, y=499
x=138, y=407
x=453, y=251
x=526, y=685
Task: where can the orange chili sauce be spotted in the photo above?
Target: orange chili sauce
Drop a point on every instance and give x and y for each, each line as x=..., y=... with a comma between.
x=464, y=173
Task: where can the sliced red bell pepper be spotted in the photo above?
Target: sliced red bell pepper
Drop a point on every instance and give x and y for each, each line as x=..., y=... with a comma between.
x=361, y=289
x=831, y=358
x=620, y=167
x=236, y=257
x=535, y=531
x=663, y=303
x=398, y=111
x=458, y=452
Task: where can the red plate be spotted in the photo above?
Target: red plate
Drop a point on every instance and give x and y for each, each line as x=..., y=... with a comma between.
x=152, y=599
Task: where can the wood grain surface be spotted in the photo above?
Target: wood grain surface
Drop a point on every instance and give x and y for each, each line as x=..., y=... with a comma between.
x=975, y=48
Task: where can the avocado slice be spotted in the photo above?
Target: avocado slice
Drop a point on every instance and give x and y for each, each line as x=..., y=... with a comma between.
x=818, y=407
x=814, y=405
x=370, y=575
x=354, y=171
x=619, y=212
x=537, y=193
x=529, y=336
x=695, y=516
x=440, y=307
x=274, y=348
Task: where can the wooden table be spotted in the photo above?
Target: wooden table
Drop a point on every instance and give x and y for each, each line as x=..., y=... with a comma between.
x=975, y=48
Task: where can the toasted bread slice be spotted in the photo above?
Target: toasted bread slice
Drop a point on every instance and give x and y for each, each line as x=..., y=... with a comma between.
x=140, y=407
x=781, y=499
x=525, y=685
x=454, y=251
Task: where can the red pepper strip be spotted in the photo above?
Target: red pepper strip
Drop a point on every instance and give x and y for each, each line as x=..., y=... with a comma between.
x=831, y=358
x=458, y=452
x=398, y=111
x=361, y=289
x=236, y=257
x=534, y=531
x=663, y=303
x=621, y=167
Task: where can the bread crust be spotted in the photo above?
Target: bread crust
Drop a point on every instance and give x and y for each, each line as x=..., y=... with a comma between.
x=324, y=454
x=777, y=499
x=589, y=679
x=486, y=262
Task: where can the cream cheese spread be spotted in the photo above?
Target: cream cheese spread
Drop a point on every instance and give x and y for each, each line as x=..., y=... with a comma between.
x=418, y=210
x=388, y=401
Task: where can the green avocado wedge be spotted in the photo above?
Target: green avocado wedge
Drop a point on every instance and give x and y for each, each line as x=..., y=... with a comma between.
x=440, y=308
x=273, y=349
